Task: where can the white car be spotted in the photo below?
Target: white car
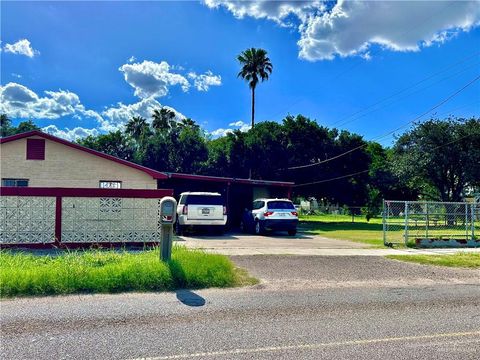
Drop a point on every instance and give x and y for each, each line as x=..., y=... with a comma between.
x=270, y=214
x=202, y=209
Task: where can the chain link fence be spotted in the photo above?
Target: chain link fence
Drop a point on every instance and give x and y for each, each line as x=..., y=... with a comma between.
x=431, y=223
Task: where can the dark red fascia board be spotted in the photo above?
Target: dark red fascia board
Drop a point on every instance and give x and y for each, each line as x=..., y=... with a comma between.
x=229, y=180
x=153, y=173
x=85, y=192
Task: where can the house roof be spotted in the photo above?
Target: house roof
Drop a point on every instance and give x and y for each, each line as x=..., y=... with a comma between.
x=154, y=173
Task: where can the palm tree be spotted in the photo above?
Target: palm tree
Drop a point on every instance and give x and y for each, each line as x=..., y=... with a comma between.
x=256, y=66
x=163, y=119
x=137, y=127
x=188, y=123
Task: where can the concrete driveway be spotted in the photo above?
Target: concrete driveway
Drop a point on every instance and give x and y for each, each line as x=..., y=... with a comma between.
x=236, y=243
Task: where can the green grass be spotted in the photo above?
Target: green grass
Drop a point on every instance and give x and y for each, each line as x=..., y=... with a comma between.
x=464, y=260
x=95, y=271
x=341, y=227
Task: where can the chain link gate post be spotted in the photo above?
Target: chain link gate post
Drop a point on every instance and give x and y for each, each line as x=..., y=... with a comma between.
x=473, y=221
x=406, y=224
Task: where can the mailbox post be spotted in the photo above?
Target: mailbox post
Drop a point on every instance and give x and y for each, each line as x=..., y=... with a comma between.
x=168, y=214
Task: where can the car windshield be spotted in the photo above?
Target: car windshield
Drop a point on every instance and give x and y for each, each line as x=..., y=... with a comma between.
x=277, y=205
x=203, y=200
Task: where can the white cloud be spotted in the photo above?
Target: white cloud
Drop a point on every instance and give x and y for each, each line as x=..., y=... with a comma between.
x=203, y=82
x=116, y=116
x=237, y=125
x=220, y=132
x=150, y=79
x=70, y=134
x=350, y=28
x=18, y=101
x=242, y=126
x=277, y=11
x=131, y=59
x=18, y=76
x=21, y=47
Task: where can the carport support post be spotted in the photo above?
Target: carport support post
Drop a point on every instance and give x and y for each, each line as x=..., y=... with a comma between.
x=384, y=224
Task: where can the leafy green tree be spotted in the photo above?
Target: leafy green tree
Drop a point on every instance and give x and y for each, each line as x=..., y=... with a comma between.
x=266, y=150
x=440, y=158
x=256, y=67
x=6, y=125
x=25, y=126
x=114, y=143
x=174, y=147
x=8, y=129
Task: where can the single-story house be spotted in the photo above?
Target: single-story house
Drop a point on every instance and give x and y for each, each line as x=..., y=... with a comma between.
x=37, y=159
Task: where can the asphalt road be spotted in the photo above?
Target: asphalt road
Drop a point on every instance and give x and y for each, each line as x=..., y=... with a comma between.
x=305, y=308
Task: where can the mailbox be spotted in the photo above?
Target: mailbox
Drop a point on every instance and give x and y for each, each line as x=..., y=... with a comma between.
x=168, y=215
x=168, y=210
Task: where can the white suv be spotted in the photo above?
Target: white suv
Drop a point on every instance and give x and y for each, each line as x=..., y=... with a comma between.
x=270, y=214
x=201, y=209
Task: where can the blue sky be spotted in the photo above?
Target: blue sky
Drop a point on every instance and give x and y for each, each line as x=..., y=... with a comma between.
x=85, y=68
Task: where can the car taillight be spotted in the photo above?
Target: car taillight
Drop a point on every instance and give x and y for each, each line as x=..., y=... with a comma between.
x=268, y=213
x=294, y=213
x=185, y=210
x=224, y=210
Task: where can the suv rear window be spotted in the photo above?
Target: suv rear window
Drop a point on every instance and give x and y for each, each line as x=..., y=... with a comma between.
x=280, y=205
x=203, y=200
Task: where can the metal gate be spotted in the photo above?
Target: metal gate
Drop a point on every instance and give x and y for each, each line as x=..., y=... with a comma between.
x=428, y=222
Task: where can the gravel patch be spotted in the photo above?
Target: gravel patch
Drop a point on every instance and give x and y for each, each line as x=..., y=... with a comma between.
x=348, y=271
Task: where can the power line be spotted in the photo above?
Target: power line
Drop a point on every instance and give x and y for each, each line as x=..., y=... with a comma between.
x=390, y=132
x=374, y=52
x=449, y=112
x=367, y=170
x=335, y=178
x=342, y=122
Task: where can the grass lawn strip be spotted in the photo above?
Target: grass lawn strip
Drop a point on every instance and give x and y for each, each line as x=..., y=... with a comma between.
x=341, y=227
x=96, y=271
x=462, y=260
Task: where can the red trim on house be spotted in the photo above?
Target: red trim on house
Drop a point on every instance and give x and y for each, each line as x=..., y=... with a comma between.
x=153, y=173
x=84, y=192
x=229, y=180
x=35, y=149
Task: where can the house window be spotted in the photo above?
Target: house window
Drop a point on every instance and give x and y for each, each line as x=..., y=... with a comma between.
x=107, y=184
x=15, y=182
x=35, y=149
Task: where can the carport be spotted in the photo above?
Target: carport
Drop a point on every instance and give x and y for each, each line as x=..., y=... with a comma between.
x=239, y=193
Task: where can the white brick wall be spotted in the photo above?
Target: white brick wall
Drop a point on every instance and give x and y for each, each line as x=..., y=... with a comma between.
x=65, y=166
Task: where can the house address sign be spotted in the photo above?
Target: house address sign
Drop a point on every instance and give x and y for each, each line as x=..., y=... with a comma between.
x=110, y=184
